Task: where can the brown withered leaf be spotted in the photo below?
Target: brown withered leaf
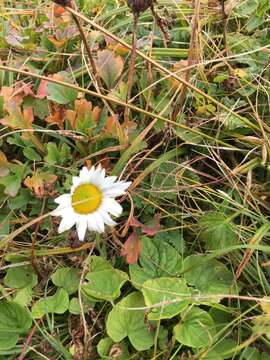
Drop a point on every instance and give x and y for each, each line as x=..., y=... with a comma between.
x=40, y=182
x=16, y=118
x=57, y=116
x=110, y=67
x=4, y=165
x=132, y=248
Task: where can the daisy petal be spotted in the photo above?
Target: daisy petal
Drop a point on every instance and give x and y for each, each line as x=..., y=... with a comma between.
x=81, y=226
x=106, y=218
x=65, y=224
x=116, y=189
x=108, y=181
x=99, y=222
x=111, y=206
x=91, y=224
x=63, y=199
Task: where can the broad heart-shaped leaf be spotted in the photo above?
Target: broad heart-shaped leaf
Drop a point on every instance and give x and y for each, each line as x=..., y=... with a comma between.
x=109, y=67
x=59, y=93
x=106, y=348
x=207, y=275
x=74, y=305
x=67, y=278
x=123, y=322
x=57, y=303
x=224, y=349
x=161, y=292
x=196, y=328
x=217, y=232
x=157, y=259
x=19, y=277
x=14, y=320
x=105, y=284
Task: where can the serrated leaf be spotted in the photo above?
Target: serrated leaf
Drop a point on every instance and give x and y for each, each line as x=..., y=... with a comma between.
x=157, y=259
x=59, y=93
x=217, y=231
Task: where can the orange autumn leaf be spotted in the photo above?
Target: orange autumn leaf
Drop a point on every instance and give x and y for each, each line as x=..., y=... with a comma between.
x=132, y=248
x=57, y=116
x=16, y=119
x=40, y=182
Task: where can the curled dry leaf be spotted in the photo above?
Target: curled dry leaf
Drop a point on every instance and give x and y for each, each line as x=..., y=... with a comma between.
x=40, y=183
x=57, y=116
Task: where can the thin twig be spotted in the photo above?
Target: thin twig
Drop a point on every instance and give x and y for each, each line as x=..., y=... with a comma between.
x=132, y=67
x=191, y=58
x=34, y=239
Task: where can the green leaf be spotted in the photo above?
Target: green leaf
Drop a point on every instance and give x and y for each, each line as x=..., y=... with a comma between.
x=105, y=284
x=52, y=156
x=23, y=296
x=246, y=7
x=14, y=320
x=161, y=292
x=67, y=278
x=31, y=154
x=208, y=276
x=104, y=347
x=124, y=322
x=59, y=93
x=217, y=231
x=157, y=259
x=19, y=277
x=196, y=328
x=224, y=349
x=107, y=349
x=12, y=184
x=57, y=303
x=74, y=305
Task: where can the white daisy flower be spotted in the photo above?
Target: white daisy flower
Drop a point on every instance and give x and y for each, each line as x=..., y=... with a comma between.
x=90, y=202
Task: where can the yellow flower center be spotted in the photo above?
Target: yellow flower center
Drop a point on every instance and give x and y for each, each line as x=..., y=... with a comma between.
x=86, y=199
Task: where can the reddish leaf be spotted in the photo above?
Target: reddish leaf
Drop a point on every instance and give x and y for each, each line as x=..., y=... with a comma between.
x=132, y=248
x=146, y=229
x=42, y=89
